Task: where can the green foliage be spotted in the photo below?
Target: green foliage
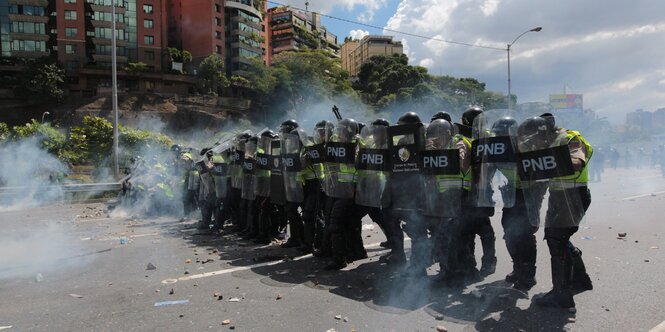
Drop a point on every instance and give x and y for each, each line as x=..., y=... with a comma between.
x=50, y=138
x=94, y=140
x=4, y=131
x=135, y=68
x=41, y=82
x=211, y=74
x=177, y=55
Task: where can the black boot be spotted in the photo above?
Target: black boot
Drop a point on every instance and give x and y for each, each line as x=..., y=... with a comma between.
x=525, y=277
x=488, y=267
x=580, y=280
x=560, y=296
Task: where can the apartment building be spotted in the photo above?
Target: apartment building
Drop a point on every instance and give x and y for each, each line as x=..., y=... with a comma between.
x=355, y=52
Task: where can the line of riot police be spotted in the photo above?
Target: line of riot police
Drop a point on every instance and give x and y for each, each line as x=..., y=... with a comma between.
x=439, y=183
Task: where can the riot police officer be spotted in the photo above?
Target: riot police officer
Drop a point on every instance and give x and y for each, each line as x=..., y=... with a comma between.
x=291, y=149
x=477, y=216
x=206, y=189
x=406, y=142
x=569, y=198
x=343, y=214
x=262, y=204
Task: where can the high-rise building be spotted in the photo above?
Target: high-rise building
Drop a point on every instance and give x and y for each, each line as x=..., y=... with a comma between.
x=232, y=29
x=23, y=28
x=354, y=53
x=292, y=30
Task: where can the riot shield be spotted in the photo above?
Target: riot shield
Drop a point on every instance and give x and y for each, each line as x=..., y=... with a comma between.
x=372, y=167
x=546, y=157
x=292, y=165
x=442, y=177
x=277, y=189
x=248, y=171
x=340, y=159
x=237, y=157
x=220, y=174
x=493, y=159
x=263, y=159
x=405, y=144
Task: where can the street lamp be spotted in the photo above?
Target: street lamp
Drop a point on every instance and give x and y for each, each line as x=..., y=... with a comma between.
x=114, y=91
x=536, y=29
x=44, y=114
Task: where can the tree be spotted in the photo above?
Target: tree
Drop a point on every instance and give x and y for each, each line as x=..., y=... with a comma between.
x=211, y=73
x=42, y=82
x=135, y=68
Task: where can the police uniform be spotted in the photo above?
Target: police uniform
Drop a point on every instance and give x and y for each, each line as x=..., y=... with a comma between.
x=568, y=201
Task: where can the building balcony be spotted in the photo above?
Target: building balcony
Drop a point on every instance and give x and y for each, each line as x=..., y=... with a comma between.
x=246, y=21
x=30, y=54
x=107, y=41
x=28, y=36
x=98, y=8
x=28, y=18
x=108, y=58
x=282, y=26
x=238, y=5
x=247, y=47
x=107, y=24
x=40, y=3
x=284, y=48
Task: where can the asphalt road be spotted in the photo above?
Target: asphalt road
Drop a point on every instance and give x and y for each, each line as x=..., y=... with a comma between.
x=71, y=268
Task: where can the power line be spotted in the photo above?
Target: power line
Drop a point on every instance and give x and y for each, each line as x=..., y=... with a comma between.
x=394, y=31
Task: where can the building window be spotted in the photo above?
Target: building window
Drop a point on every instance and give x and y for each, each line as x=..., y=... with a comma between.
x=149, y=55
x=148, y=24
x=70, y=15
x=29, y=45
x=218, y=49
x=106, y=33
x=71, y=65
x=70, y=1
x=218, y=35
x=218, y=8
x=70, y=49
x=33, y=10
x=149, y=40
x=147, y=9
x=149, y=85
x=71, y=32
x=218, y=21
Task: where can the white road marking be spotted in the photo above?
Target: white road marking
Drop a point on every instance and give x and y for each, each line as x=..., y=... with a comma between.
x=643, y=195
x=658, y=328
x=249, y=267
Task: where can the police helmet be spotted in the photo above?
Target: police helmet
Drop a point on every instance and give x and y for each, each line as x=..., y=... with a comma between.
x=439, y=128
x=441, y=115
x=551, y=122
x=347, y=128
x=176, y=148
x=408, y=117
x=533, y=126
x=470, y=114
x=204, y=151
x=253, y=139
x=268, y=133
x=288, y=126
x=503, y=126
x=381, y=122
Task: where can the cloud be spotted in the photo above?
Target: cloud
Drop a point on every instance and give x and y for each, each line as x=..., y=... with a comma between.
x=364, y=8
x=610, y=52
x=427, y=63
x=358, y=34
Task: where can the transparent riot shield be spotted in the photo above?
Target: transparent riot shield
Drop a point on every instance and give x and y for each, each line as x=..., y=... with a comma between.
x=220, y=174
x=372, y=167
x=442, y=177
x=405, y=144
x=248, y=170
x=493, y=159
x=546, y=156
x=292, y=163
x=263, y=165
x=237, y=157
x=277, y=188
x=340, y=159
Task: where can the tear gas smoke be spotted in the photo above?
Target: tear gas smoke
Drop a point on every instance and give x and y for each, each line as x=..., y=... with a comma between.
x=26, y=164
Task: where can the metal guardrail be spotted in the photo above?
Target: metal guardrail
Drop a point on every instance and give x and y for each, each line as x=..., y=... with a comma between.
x=67, y=188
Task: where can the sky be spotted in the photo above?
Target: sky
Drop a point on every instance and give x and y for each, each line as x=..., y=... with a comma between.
x=611, y=51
